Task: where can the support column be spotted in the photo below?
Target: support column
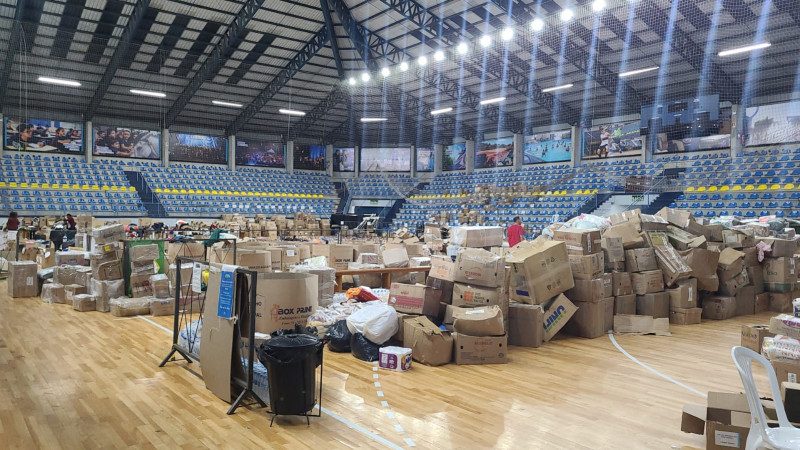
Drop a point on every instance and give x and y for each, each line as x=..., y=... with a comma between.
x=577, y=146
x=232, y=152
x=470, y=156
x=647, y=153
x=88, y=141
x=737, y=129
x=357, y=162
x=2, y=147
x=165, y=147
x=329, y=159
x=438, y=156
x=519, y=150
x=289, y=156
x=413, y=161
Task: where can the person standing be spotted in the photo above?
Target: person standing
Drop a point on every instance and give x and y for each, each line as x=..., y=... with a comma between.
x=516, y=233
x=69, y=222
x=13, y=222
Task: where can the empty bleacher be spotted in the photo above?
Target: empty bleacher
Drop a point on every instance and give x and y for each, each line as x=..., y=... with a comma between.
x=391, y=185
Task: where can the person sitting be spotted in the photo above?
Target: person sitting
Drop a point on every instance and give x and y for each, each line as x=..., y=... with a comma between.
x=69, y=222
x=24, y=138
x=13, y=222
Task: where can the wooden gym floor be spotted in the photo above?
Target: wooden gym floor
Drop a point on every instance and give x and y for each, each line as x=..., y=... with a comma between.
x=85, y=380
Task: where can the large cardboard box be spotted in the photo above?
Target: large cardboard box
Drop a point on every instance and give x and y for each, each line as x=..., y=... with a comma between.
x=525, y=325
x=621, y=284
x=780, y=274
x=476, y=296
x=284, y=299
x=255, y=260
x=579, y=242
x=108, y=271
x=475, y=236
x=625, y=304
x=343, y=254
x=613, y=251
x=193, y=250
x=586, y=267
x=683, y=240
x=704, y=267
x=480, y=349
x=731, y=262
x=540, y=271
x=22, y=279
x=428, y=343
x=780, y=247
x=627, y=232
x=557, y=313
x=482, y=321
x=640, y=260
x=479, y=267
x=677, y=217
x=647, y=282
x=782, y=301
x=762, y=302
x=591, y=290
x=753, y=337
x=672, y=266
x=734, y=238
x=72, y=258
x=685, y=295
x=413, y=299
x=395, y=257
x=732, y=285
x=592, y=319
x=654, y=304
x=442, y=268
x=108, y=233
x=719, y=308
x=756, y=277
x=745, y=301
x=786, y=370
x=786, y=325
x=727, y=421
x=685, y=316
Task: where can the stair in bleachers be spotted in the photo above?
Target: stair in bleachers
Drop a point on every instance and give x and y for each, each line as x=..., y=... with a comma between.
x=393, y=211
x=341, y=189
x=149, y=199
x=665, y=199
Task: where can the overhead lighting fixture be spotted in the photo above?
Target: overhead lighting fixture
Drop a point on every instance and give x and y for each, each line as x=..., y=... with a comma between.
x=486, y=40
x=438, y=56
x=507, y=33
x=422, y=61
x=228, y=104
x=373, y=119
x=59, y=81
x=558, y=88
x=637, y=71
x=291, y=112
x=148, y=93
x=492, y=100
x=537, y=24
x=386, y=72
x=403, y=66
x=352, y=81
x=567, y=15
x=441, y=111
x=462, y=48
x=599, y=5
x=365, y=77
x=748, y=48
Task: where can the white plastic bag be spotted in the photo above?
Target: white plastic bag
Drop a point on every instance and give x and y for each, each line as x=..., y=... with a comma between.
x=377, y=322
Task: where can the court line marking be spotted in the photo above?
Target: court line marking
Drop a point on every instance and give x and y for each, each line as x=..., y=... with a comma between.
x=666, y=377
x=156, y=324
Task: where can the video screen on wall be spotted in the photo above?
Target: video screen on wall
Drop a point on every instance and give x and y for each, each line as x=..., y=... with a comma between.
x=251, y=152
x=772, y=124
x=614, y=140
x=344, y=160
x=548, y=147
x=46, y=136
x=425, y=159
x=127, y=143
x=309, y=157
x=454, y=157
x=686, y=125
x=385, y=159
x=198, y=148
x=494, y=153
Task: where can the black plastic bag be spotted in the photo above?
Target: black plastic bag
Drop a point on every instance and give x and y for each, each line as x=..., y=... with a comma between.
x=298, y=329
x=364, y=349
x=338, y=337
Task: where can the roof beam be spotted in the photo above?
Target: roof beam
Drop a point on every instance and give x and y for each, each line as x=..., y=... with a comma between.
x=233, y=36
x=788, y=7
x=120, y=53
x=326, y=13
x=11, y=51
x=317, y=42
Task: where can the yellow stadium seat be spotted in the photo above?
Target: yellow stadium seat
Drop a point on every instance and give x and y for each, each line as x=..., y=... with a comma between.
x=105, y=188
x=701, y=189
x=190, y=191
x=95, y=187
x=789, y=186
x=2, y=184
x=183, y=191
x=690, y=189
x=712, y=189
x=85, y=187
x=158, y=190
x=736, y=188
x=775, y=187
x=749, y=187
x=761, y=187
x=206, y=192
x=45, y=185
x=114, y=188
x=34, y=185
x=724, y=189
x=23, y=185
x=12, y=184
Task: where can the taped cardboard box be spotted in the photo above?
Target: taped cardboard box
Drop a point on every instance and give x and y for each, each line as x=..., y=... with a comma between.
x=479, y=267
x=647, y=282
x=591, y=290
x=104, y=291
x=787, y=370
x=655, y=304
x=144, y=253
x=652, y=223
x=731, y=286
x=395, y=257
x=685, y=316
x=627, y=232
x=672, y=266
x=782, y=301
x=525, y=325
x=640, y=260
x=428, y=343
x=633, y=324
x=71, y=258
x=45, y=257
x=613, y=251
x=540, y=271
x=160, y=285
x=719, y=308
x=625, y=304
x=481, y=321
x=477, y=296
x=108, y=271
x=557, y=312
x=290, y=257
x=586, y=267
x=621, y=284
x=753, y=336
x=53, y=293
x=704, y=267
x=780, y=274
x=284, y=299
x=22, y=279
x=685, y=295
x=413, y=299
x=733, y=238
x=83, y=303
x=475, y=236
x=140, y=285
x=162, y=307
x=786, y=325
x=442, y=268
x=579, y=242
x=369, y=258
x=326, y=279
x=480, y=349
x=676, y=217
x=762, y=302
x=108, y=233
x=193, y=250
x=592, y=319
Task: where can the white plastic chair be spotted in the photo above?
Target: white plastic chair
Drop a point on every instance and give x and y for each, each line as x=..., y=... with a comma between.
x=761, y=435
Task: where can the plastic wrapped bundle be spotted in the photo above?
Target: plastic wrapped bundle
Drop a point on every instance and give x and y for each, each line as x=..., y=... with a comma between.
x=53, y=293
x=124, y=306
x=83, y=303
x=326, y=317
x=104, y=291
x=65, y=275
x=326, y=276
x=781, y=347
x=190, y=336
x=160, y=285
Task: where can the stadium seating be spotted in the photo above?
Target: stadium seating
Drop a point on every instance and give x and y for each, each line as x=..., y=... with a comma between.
x=391, y=185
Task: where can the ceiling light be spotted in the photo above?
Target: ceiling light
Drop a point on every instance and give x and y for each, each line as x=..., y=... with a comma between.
x=567, y=14
x=441, y=111
x=537, y=24
x=148, y=93
x=558, y=88
x=598, y=5
x=403, y=66
x=422, y=61
x=386, y=72
x=59, y=81
x=365, y=77
x=438, y=56
x=291, y=112
x=637, y=71
x=507, y=33
x=462, y=48
x=352, y=81
x=492, y=100
x=748, y=48
x=373, y=119
x=486, y=40
x=229, y=104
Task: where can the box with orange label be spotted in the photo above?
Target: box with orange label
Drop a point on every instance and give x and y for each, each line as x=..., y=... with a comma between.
x=414, y=299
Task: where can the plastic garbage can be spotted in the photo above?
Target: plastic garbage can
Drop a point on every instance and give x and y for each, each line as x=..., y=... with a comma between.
x=291, y=361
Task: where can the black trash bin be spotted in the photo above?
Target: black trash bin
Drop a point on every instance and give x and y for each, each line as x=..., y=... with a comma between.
x=291, y=361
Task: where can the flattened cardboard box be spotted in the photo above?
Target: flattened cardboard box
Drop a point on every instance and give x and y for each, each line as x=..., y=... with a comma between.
x=677, y=217
x=556, y=314
x=586, y=267
x=480, y=350
x=541, y=271
x=525, y=325
x=633, y=324
x=579, y=242
x=685, y=316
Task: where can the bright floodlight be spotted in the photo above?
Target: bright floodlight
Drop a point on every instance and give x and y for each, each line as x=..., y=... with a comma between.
x=462, y=48
x=438, y=56
x=558, y=88
x=507, y=33
x=441, y=111
x=59, y=81
x=745, y=49
x=486, y=40
x=422, y=61
x=492, y=100
x=537, y=24
x=352, y=81
x=598, y=5
x=365, y=77
x=403, y=66
x=291, y=112
x=386, y=72
x=373, y=119
x=148, y=93
x=637, y=71
x=567, y=14
x=228, y=104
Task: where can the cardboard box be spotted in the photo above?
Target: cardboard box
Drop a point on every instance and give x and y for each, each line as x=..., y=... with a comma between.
x=71, y=258
x=108, y=233
x=45, y=257
x=160, y=285
x=442, y=268
x=621, y=284
x=786, y=370
x=625, y=304
x=685, y=295
x=704, y=267
x=672, y=266
x=53, y=293
x=640, y=260
x=731, y=262
x=592, y=319
x=780, y=274
x=676, y=217
x=782, y=301
x=731, y=286
x=755, y=275
x=369, y=258
x=753, y=336
x=144, y=253
x=627, y=232
x=652, y=223
x=780, y=247
x=751, y=257
x=475, y=236
x=647, y=282
x=83, y=302
x=557, y=313
x=480, y=350
x=590, y=290
x=654, y=304
x=140, y=285
x=285, y=298
x=395, y=257
x=70, y=291
x=341, y=256
x=540, y=271
x=693, y=419
x=477, y=296
x=683, y=240
x=786, y=325
x=587, y=267
x=22, y=279
x=162, y=307
x=428, y=343
x=727, y=421
x=719, y=308
x=257, y=260
x=685, y=316
x=413, y=299
x=479, y=267
x=633, y=324
x=193, y=250
x=613, y=251
x=762, y=302
x=108, y=271
x=579, y=242
x=525, y=325
x=482, y=321
x=733, y=238
x=745, y=301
